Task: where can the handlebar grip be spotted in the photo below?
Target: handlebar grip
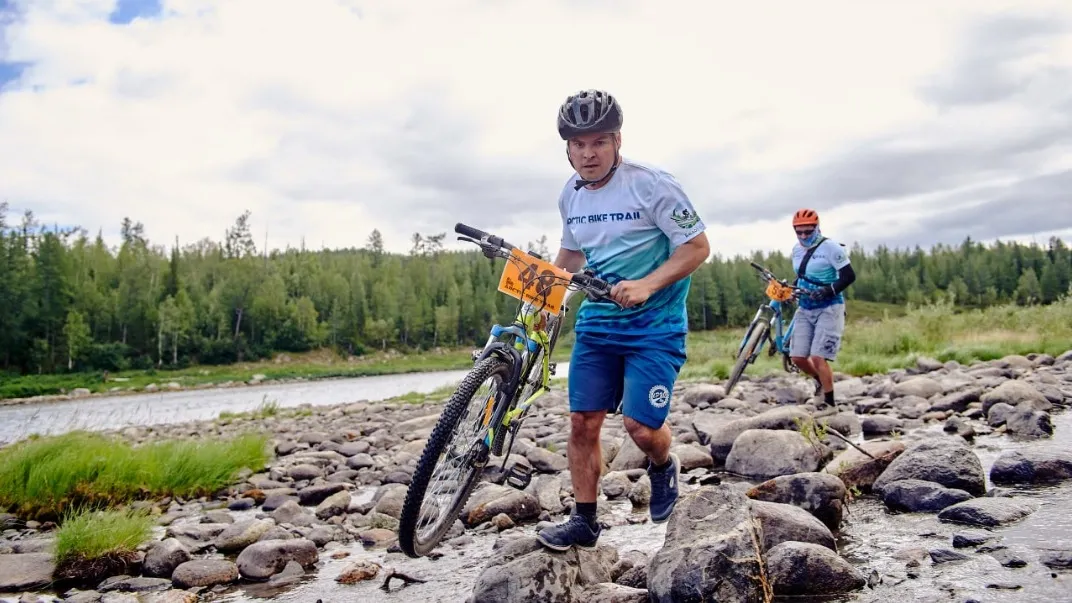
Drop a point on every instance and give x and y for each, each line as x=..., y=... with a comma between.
x=469, y=231
x=476, y=233
x=757, y=266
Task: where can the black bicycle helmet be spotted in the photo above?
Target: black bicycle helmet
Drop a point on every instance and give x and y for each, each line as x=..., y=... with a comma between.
x=589, y=112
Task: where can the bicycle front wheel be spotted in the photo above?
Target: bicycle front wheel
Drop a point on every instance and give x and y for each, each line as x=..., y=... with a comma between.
x=759, y=331
x=452, y=460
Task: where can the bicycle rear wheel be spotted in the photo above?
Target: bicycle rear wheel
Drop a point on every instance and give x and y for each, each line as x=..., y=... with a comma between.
x=759, y=331
x=453, y=459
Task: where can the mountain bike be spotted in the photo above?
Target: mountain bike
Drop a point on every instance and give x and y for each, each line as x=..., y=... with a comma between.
x=770, y=314
x=510, y=372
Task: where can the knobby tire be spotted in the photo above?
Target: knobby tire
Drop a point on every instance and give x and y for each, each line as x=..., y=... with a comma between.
x=443, y=434
x=759, y=331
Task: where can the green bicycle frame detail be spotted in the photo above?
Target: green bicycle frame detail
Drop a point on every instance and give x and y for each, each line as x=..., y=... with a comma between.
x=526, y=339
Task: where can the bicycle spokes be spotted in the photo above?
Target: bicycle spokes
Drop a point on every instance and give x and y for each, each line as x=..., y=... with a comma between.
x=466, y=452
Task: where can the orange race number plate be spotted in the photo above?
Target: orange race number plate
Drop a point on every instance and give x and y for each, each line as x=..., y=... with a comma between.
x=541, y=287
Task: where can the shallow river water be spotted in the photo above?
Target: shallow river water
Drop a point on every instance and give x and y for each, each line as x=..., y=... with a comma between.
x=869, y=537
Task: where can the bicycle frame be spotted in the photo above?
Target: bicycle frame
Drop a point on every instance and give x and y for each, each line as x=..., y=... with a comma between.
x=781, y=332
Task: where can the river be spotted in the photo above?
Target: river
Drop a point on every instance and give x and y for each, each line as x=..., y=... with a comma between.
x=110, y=412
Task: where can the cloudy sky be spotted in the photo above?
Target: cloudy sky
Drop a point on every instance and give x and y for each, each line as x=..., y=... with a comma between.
x=932, y=120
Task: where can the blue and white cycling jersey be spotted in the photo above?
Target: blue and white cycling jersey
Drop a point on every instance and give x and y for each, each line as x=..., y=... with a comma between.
x=626, y=230
x=822, y=268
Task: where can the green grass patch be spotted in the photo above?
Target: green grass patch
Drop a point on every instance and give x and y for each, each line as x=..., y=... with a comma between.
x=88, y=535
x=47, y=477
x=940, y=331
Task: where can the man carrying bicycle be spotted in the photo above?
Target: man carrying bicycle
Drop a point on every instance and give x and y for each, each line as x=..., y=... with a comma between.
x=824, y=271
x=635, y=227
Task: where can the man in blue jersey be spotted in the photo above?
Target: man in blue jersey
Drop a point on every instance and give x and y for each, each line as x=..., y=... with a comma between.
x=635, y=227
x=820, y=319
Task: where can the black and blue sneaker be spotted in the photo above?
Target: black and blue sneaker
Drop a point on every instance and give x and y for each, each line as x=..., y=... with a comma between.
x=663, y=489
x=574, y=531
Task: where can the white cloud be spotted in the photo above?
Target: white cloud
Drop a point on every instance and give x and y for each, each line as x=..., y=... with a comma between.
x=330, y=118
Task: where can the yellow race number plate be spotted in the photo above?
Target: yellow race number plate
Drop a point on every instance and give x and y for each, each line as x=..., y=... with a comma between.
x=535, y=281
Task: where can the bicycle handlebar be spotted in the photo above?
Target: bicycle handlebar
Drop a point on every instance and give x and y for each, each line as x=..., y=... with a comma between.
x=595, y=288
x=767, y=275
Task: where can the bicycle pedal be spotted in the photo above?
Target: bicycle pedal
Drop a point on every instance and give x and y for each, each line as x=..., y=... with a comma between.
x=519, y=476
x=551, y=366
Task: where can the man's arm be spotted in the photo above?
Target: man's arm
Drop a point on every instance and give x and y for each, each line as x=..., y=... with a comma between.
x=683, y=262
x=570, y=259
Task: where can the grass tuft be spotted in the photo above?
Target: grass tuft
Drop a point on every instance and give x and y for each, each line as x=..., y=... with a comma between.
x=46, y=477
x=93, y=544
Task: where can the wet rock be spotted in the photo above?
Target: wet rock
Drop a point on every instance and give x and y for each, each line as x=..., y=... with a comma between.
x=820, y=494
x=919, y=496
x=703, y=392
x=799, y=568
x=360, y=460
x=881, y=424
x=389, y=498
x=1056, y=558
x=304, y=472
x=609, y=592
x=629, y=456
x=709, y=553
x=336, y=504
x=692, y=456
x=640, y=492
x=924, y=387
x=516, y=504
x=987, y=512
x=946, y=555
x=358, y=572
x=948, y=461
x=967, y=539
x=1015, y=393
x=1029, y=423
x=273, y=502
x=523, y=570
x=614, y=485
x=314, y=495
x=23, y=571
x=957, y=401
x=262, y=560
x=162, y=559
x=205, y=572
x=134, y=585
x=769, y=453
x=720, y=436
x=242, y=534
x=1032, y=466
x=780, y=523
x=548, y=489
x=290, y=512
x=545, y=461
x=857, y=470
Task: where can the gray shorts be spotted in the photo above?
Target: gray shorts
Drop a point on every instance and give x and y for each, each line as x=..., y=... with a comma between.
x=817, y=332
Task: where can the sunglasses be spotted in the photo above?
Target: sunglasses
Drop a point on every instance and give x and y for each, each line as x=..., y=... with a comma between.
x=805, y=233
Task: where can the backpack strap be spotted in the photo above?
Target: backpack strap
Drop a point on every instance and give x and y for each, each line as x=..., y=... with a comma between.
x=804, y=263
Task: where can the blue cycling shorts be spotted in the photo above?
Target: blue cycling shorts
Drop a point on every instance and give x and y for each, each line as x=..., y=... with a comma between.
x=634, y=374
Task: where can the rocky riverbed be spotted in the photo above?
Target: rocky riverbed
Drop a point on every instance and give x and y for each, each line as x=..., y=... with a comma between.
x=963, y=494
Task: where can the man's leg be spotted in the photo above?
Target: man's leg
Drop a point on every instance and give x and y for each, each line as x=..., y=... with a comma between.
x=595, y=386
x=829, y=327
x=800, y=346
x=585, y=454
x=651, y=369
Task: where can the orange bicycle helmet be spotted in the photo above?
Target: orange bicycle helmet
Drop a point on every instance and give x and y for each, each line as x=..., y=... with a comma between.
x=805, y=217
